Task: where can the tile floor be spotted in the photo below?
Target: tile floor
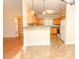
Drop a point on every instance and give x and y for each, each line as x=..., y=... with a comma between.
x=46, y=52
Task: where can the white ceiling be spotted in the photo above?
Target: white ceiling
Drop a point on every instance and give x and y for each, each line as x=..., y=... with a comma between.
x=57, y=5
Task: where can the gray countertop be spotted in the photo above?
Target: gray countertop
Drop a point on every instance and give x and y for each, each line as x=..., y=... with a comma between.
x=54, y=26
x=45, y=26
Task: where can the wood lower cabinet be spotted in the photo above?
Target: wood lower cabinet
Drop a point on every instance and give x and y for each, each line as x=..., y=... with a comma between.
x=53, y=31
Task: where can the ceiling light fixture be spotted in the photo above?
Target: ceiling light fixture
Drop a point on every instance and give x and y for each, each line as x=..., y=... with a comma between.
x=71, y=2
x=49, y=11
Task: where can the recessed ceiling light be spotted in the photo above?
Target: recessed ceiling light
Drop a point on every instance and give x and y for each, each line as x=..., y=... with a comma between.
x=50, y=11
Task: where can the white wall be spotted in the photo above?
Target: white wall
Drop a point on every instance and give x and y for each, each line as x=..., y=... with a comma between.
x=70, y=26
x=25, y=8
x=48, y=21
x=11, y=9
x=63, y=30
x=36, y=36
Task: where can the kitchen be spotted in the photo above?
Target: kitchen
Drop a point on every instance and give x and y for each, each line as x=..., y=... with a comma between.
x=41, y=26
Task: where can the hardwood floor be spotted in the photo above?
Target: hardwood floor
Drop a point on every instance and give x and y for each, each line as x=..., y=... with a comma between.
x=11, y=45
x=47, y=52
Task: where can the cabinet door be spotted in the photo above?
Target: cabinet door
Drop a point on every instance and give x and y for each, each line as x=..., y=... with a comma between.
x=40, y=21
x=53, y=30
x=56, y=22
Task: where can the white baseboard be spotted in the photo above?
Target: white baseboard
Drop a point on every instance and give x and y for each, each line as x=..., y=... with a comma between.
x=69, y=42
x=37, y=44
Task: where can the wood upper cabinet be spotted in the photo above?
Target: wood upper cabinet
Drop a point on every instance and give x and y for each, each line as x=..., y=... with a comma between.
x=56, y=21
x=32, y=18
x=40, y=21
